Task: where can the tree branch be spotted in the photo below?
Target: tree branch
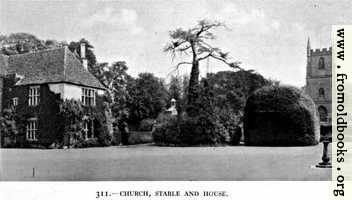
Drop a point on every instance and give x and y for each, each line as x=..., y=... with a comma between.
x=234, y=65
x=205, y=57
x=183, y=63
x=205, y=26
x=177, y=66
x=206, y=44
x=194, y=51
x=184, y=49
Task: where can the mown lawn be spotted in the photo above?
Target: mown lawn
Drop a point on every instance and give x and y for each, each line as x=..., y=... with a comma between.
x=151, y=163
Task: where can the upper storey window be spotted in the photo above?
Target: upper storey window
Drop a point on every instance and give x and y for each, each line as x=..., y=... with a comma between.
x=88, y=97
x=321, y=63
x=33, y=96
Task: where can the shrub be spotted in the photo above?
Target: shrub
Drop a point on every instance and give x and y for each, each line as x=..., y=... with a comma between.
x=200, y=126
x=166, y=132
x=93, y=142
x=203, y=131
x=231, y=122
x=8, y=128
x=103, y=136
x=191, y=131
x=235, y=135
x=280, y=116
x=116, y=140
x=163, y=118
x=146, y=125
x=138, y=137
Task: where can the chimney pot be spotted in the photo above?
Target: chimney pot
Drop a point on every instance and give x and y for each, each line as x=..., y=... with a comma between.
x=83, y=50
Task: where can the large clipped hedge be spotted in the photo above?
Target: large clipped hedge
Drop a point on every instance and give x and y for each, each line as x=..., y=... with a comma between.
x=280, y=116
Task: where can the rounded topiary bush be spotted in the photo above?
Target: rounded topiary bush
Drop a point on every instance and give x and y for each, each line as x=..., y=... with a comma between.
x=280, y=116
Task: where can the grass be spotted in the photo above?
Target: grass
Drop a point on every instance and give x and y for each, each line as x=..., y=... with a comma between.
x=151, y=163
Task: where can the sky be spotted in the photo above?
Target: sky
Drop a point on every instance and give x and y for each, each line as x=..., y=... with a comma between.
x=268, y=36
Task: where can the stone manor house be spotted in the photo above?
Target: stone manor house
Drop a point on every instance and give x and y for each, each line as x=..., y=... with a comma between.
x=318, y=81
x=32, y=83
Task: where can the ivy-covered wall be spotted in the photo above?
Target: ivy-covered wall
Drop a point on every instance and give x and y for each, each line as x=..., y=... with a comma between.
x=45, y=112
x=50, y=126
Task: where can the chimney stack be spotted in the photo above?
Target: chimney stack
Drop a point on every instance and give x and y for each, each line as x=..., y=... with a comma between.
x=83, y=55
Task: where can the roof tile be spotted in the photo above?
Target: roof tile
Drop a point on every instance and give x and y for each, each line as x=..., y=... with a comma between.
x=51, y=66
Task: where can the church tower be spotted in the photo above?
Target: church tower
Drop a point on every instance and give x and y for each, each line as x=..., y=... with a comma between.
x=318, y=80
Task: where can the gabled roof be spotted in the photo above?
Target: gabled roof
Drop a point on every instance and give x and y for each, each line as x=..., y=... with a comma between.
x=50, y=66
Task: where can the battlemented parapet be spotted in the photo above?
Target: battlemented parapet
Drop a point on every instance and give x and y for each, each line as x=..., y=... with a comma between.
x=323, y=51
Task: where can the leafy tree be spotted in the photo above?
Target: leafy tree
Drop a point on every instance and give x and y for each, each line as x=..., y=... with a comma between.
x=233, y=88
x=19, y=43
x=230, y=91
x=175, y=88
x=148, y=97
x=115, y=78
x=185, y=84
x=175, y=92
x=8, y=126
x=194, y=42
x=52, y=44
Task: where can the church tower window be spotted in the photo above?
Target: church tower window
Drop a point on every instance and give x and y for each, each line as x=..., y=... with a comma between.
x=323, y=114
x=321, y=92
x=321, y=63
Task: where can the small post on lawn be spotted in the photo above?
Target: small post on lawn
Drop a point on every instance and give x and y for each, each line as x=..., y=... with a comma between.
x=33, y=172
x=326, y=139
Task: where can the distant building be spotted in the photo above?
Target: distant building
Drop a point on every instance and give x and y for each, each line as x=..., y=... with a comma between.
x=172, y=110
x=318, y=81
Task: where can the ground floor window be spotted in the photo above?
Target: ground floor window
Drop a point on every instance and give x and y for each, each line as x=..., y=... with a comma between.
x=15, y=101
x=88, y=129
x=32, y=129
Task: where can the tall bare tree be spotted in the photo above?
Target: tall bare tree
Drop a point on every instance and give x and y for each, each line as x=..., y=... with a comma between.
x=193, y=42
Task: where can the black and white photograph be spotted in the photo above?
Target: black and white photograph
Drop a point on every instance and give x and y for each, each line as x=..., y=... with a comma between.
x=176, y=90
